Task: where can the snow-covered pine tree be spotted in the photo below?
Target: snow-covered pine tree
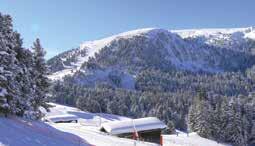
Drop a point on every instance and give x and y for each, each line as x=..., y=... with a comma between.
x=223, y=118
x=252, y=134
x=234, y=128
x=8, y=66
x=192, y=117
x=217, y=122
x=199, y=116
x=42, y=83
x=204, y=123
x=250, y=109
x=25, y=81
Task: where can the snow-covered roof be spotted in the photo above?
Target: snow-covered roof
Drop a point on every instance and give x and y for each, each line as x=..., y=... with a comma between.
x=61, y=118
x=129, y=126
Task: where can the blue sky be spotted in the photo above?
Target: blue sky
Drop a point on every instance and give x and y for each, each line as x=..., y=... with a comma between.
x=64, y=24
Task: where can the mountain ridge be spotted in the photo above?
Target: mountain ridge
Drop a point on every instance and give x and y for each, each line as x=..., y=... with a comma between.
x=196, y=38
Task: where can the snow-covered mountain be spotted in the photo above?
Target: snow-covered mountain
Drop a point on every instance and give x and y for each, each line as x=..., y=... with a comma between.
x=237, y=39
x=120, y=57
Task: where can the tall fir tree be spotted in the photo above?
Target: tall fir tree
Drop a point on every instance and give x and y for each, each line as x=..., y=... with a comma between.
x=252, y=135
x=42, y=83
x=199, y=115
x=9, y=67
x=234, y=129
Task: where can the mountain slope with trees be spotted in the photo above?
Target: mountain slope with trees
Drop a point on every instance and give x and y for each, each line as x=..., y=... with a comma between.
x=186, y=82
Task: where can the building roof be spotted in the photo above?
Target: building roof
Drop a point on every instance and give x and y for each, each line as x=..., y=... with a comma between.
x=61, y=118
x=127, y=126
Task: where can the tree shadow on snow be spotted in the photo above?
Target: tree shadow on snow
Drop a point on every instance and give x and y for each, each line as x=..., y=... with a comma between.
x=20, y=132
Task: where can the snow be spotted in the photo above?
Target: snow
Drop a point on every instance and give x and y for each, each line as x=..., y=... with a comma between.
x=230, y=37
x=19, y=132
x=85, y=118
x=3, y=53
x=212, y=31
x=3, y=92
x=250, y=35
x=182, y=139
x=129, y=126
x=60, y=74
x=88, y=127
x=97, y=138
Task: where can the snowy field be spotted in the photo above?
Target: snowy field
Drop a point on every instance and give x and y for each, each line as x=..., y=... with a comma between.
x=192, y=140
x=18, y=132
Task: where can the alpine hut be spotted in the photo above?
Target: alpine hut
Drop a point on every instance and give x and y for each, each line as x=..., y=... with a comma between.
x=145, y=129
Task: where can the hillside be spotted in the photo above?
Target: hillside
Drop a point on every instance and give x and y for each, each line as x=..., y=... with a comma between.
x=30, y=133
x=176, y=76
x=20, y=132
x=141, y=84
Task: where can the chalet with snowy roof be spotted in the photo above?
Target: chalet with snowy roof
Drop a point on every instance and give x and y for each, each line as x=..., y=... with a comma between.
x=145, y=129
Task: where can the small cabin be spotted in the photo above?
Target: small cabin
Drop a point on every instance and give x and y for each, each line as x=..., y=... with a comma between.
x=65, y=118
x=145, y=129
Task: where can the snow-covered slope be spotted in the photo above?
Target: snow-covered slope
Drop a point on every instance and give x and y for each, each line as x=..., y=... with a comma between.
x=231, y=38
x=19, y=132
x=247, y=32
x=189, y=140
x=88, y=129
x=194, y=50
x=91, y=48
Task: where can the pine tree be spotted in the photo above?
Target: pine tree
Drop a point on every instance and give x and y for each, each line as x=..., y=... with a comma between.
x=204, y=123
x=23, y=81
x=224, y=118
x=192, y=117
x=217, y=122
x=8, y=68
x=40, y=77
x=199, y=116
x=234, y=128
x=252, y=135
